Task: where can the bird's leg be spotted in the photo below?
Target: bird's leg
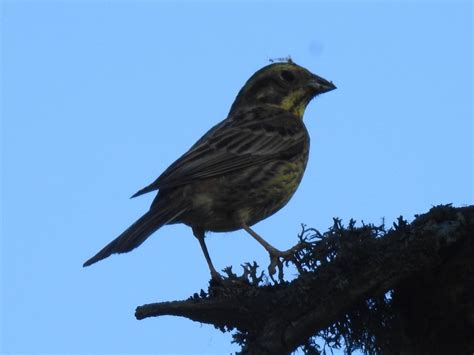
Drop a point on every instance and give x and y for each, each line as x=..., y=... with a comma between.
x=275, y=254
x=199, y=234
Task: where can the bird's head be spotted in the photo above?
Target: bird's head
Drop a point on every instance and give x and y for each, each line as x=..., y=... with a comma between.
x=285, y=85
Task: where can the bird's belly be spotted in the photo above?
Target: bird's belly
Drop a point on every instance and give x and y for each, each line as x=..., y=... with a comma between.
x=224, y=203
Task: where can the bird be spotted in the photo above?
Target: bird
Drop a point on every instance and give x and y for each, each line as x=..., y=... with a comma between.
x=243, y=170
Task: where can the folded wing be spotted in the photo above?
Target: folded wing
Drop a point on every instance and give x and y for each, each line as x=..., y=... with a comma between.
x=236, y=144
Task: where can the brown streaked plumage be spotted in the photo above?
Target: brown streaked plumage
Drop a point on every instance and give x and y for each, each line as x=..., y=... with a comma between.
x=241, y=171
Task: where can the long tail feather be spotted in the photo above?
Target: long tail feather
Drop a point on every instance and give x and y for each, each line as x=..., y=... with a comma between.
x=135, y=235
x=145, y=190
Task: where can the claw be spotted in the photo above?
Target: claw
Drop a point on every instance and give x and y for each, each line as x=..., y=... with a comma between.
x=275, y=254
x=215, y=276
x=277, y=258
x=274, y=261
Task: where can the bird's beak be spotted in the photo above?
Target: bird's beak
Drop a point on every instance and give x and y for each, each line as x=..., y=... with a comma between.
x=320, y=85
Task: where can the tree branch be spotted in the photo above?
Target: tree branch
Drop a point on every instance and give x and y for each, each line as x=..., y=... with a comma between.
x=349, y=266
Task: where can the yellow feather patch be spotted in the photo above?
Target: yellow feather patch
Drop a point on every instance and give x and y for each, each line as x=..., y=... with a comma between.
x=288, y=102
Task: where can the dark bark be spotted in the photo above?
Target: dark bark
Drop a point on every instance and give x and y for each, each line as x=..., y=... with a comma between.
x=427, y=266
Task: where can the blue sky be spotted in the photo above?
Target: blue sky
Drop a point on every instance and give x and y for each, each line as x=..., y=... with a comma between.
x=98, y=98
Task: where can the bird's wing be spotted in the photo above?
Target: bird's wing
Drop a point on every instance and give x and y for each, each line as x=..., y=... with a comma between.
x=234, y=144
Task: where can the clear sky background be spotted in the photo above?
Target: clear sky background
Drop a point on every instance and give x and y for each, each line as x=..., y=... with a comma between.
x=98, y=98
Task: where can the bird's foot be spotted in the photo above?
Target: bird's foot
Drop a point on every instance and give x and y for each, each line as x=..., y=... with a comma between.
x=277, y=258
x=216, y=277
x=217, y=281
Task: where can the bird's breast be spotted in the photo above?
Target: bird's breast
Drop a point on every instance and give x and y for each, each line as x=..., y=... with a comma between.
x=250, y=195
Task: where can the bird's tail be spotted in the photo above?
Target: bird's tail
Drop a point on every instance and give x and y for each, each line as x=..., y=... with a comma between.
x=136, y=234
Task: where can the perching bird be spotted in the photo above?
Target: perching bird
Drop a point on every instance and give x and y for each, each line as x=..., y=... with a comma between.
x=242, y=170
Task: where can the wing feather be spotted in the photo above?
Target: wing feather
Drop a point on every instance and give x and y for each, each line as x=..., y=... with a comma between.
x=236, y=144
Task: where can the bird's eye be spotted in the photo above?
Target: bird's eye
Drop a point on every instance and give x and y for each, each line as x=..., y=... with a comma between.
x=287, y=76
